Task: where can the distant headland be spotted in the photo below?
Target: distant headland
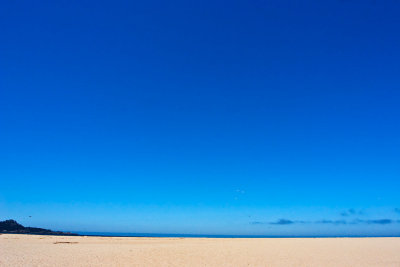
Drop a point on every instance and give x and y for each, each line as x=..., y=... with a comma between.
x=12, y=227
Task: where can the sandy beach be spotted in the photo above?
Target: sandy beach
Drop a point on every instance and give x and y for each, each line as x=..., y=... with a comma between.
x=36, y=250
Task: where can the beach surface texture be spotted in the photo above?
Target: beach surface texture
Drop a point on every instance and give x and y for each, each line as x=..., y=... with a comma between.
x=37, y=250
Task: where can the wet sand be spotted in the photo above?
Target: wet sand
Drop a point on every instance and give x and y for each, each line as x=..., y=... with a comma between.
x=36, y=250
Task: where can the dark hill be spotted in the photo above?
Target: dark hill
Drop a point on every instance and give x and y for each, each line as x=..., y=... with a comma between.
x=12, y=227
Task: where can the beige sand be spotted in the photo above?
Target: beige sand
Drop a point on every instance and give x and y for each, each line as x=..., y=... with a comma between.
x=31, y=250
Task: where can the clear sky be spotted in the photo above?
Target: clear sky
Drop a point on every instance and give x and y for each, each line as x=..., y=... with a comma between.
x=240, y=117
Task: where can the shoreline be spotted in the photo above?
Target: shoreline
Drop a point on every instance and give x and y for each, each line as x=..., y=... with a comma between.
x=157, y=235
x=149, y=235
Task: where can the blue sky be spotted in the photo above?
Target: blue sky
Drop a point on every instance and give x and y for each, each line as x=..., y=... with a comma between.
x=260, y=117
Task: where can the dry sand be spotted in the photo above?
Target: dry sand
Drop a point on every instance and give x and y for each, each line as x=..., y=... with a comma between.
x=31, y=250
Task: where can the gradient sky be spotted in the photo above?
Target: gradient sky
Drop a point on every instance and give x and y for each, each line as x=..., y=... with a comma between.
x=247, y=117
